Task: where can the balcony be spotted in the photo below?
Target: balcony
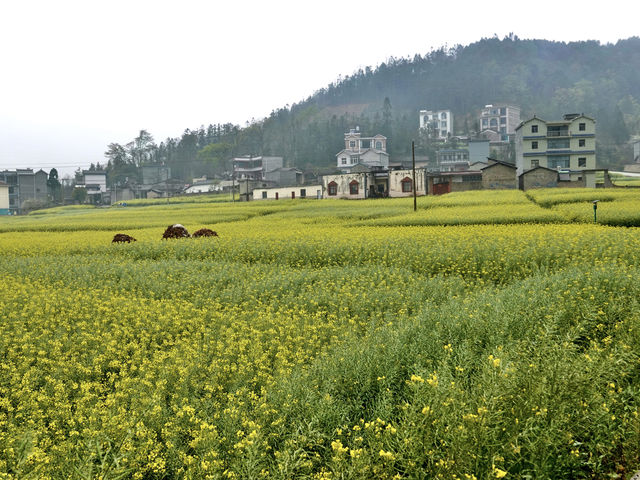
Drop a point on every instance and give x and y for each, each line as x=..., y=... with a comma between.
x=557, y=133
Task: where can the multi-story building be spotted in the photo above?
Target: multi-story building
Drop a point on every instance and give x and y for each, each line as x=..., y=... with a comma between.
x=567, y=145
x=24, y=184
x=453, y=159
x=369, y=151
x=95, y=183
x=438, y=123
x=500, y=118
x=255, y=168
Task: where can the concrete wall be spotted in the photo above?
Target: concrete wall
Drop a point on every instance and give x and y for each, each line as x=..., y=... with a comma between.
x=539, y=178
x=478, y=151
x=461, y=186
x=499, y=176
x=284, y=177
x=271, y=163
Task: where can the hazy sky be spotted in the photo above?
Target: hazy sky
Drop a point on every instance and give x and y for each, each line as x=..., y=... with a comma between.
x=78, y=75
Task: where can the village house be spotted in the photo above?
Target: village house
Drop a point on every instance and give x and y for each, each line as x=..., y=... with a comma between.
x=567, y=146
x=367, y=182
x=439, y=183
x=501, y=119
x=292, y=192
x=358, y=150
x=438, y=123
x=498, y=175
x=24, y=184
x=255, y=168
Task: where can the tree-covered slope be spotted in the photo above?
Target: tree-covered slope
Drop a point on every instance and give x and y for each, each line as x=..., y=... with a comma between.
x=542, y=77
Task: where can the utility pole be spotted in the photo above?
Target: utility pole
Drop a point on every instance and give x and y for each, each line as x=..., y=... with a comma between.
x=413, y=162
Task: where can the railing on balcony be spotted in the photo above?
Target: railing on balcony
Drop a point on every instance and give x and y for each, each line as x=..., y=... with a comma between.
x=557, y=133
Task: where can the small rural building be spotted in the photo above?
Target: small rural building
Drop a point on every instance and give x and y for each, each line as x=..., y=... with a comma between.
x=293, y=192
x=538, y=177
x=349, y=185
x=447, y=182
x=499, y=175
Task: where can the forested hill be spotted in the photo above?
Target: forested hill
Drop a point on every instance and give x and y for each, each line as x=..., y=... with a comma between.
x=542, y=77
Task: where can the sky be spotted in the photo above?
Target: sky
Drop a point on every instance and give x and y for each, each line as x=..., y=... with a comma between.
x=77, y=75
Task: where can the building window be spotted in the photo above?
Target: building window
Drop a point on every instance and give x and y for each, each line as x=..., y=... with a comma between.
x=353, y=187
x=378, y=145
x=535, y=163
x=352, y=144
x=534, y=128
x=303, y=192
x=407, y=184
x=333, y=188
x=534, y=145
x=582, y=142
x=344, y=160
x=560, y=161
x=443, y=115
x=557, y=143
x=484, y=123
x=582, y=162
x=582, y=127
x=264, y=194
x=472, y=178
x=355, y=158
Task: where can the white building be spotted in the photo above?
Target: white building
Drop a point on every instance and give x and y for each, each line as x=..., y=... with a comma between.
x=281, y=193
x=369, y=151
x=95, y=183
x=502, y=119
x=438, y=123
x=364, y=182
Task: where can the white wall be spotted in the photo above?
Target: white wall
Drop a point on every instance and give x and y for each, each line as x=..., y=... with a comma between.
x=283, y=193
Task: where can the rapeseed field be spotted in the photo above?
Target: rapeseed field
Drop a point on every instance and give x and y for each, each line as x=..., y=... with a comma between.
x=487, y=335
